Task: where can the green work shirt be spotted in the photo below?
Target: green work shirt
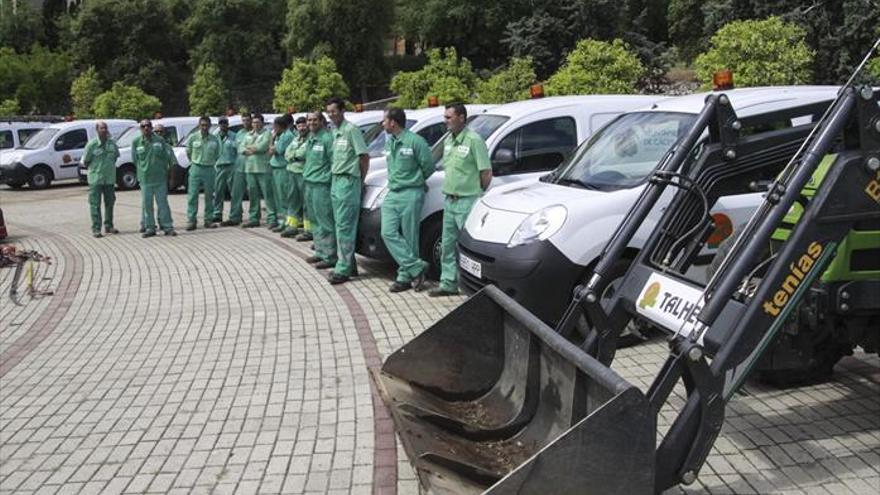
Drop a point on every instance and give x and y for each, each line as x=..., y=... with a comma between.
x=258, y=162
x=319, y=157
x=281, y=144
x=100, y=158
x=295, y=154
x=228, y=149
x=203, y=149
x=409, y=160
x=464, y=157
x=348, y=145
x=152, y=157
x=240, y=140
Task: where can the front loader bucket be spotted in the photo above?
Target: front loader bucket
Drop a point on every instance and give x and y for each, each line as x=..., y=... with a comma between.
x=490, y=399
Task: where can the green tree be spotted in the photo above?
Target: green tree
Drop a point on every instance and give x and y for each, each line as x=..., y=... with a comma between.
x=126, y=102
x=83, y=92
x=685, y=27
x=760, y=53
x=136, y=42
x=446, y=76
x=244, y=40
x=207, y=93
x=38, y=79
x=20, y=26
x=9, y=107
x=308, y=85
x=596, y=67
x=509, y=84
x=351, y=32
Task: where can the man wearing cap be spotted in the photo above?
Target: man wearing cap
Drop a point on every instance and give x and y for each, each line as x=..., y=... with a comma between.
x=409, y=166
x=224, y=167
x=153, y=157
x=100, y=160
x=280, y=178
x=202, y=150
x=295, y=157
x=350, y=163
x=239, y=181
x=316, y=175
x=468, y=174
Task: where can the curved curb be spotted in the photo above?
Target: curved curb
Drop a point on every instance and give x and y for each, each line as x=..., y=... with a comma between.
x=384, y=441
x=62, y=300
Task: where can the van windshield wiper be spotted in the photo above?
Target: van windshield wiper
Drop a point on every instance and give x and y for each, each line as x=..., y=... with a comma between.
x=577, y=183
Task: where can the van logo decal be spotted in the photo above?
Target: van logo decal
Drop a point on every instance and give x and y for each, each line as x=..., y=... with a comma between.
x=649, y=300
x=797, y=271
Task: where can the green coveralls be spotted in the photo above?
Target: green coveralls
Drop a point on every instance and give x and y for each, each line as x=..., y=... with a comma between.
x=409, y=166
x=345, y=192
x=280, y=176
x=464, y=157
x=223, y=171
x=239, y=182
x=316, y=174
x=100, y=159
x=202, y=150
x=295, y=156
x=153, y=158
x=259, y=182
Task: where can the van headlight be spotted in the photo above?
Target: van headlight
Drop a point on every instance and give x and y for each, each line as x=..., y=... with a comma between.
x=539, y=226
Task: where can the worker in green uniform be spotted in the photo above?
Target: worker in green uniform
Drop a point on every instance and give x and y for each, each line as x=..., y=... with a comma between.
x=224, y=167
x=280, y=178
x=257, y=172
x=100, y=160
x=409, y=166
x=468, y=174
x=351, y=161
x=295, y=157
x=202, y=150
x=239, y=181
x=153, y=157
x=316, y=175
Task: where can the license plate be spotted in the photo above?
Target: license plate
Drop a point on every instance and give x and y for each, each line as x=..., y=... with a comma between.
x=470, y=266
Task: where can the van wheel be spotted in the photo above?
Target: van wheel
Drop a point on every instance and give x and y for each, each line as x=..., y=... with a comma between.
x=41, y=178
x=430, y=238
x=126, y=178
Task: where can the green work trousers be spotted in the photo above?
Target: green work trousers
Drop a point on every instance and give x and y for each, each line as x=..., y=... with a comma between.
x=401, y=211
x=202, y=178
x=321, y=215
x=237, y=186
x=259, y=187
x=222, y=188
x=280, y=184
x=345, y=194
x=295, y=201
x=455, y=212
x=108, y=193
x=158, y=194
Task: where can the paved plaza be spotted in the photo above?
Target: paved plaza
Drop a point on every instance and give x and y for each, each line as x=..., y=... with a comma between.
x=219, y=361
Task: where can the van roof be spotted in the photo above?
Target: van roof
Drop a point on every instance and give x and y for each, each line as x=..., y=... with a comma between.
x=86, y=122
x=424, y=113
x=524, y=107
x=751, y=101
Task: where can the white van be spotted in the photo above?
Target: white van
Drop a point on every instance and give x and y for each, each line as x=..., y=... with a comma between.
x=525, y=139
x=53, y=153
x=538, y=239
x=13, y=133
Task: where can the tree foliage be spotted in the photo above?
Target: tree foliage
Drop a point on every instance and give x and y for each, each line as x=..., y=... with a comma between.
x=308, y=85
x=207, y=93
x=351, y=32
x=38, y=79
x=20, y=26
x=9, y=107
x=84, y=90
x=509, y=84
x=446, y=76
x=136, y=42
x=760, y=53
x=686, y=27
x=596, y=67
x=126, y=102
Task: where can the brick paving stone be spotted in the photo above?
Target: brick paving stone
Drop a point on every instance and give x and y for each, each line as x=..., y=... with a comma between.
x=219, y=362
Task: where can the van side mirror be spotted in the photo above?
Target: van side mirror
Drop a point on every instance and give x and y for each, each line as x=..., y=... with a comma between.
x=503, y=156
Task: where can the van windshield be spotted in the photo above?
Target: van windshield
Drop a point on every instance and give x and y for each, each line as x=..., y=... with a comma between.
x=625, y=152
x=128, y=137
x=484, y=125
x=40, y=139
